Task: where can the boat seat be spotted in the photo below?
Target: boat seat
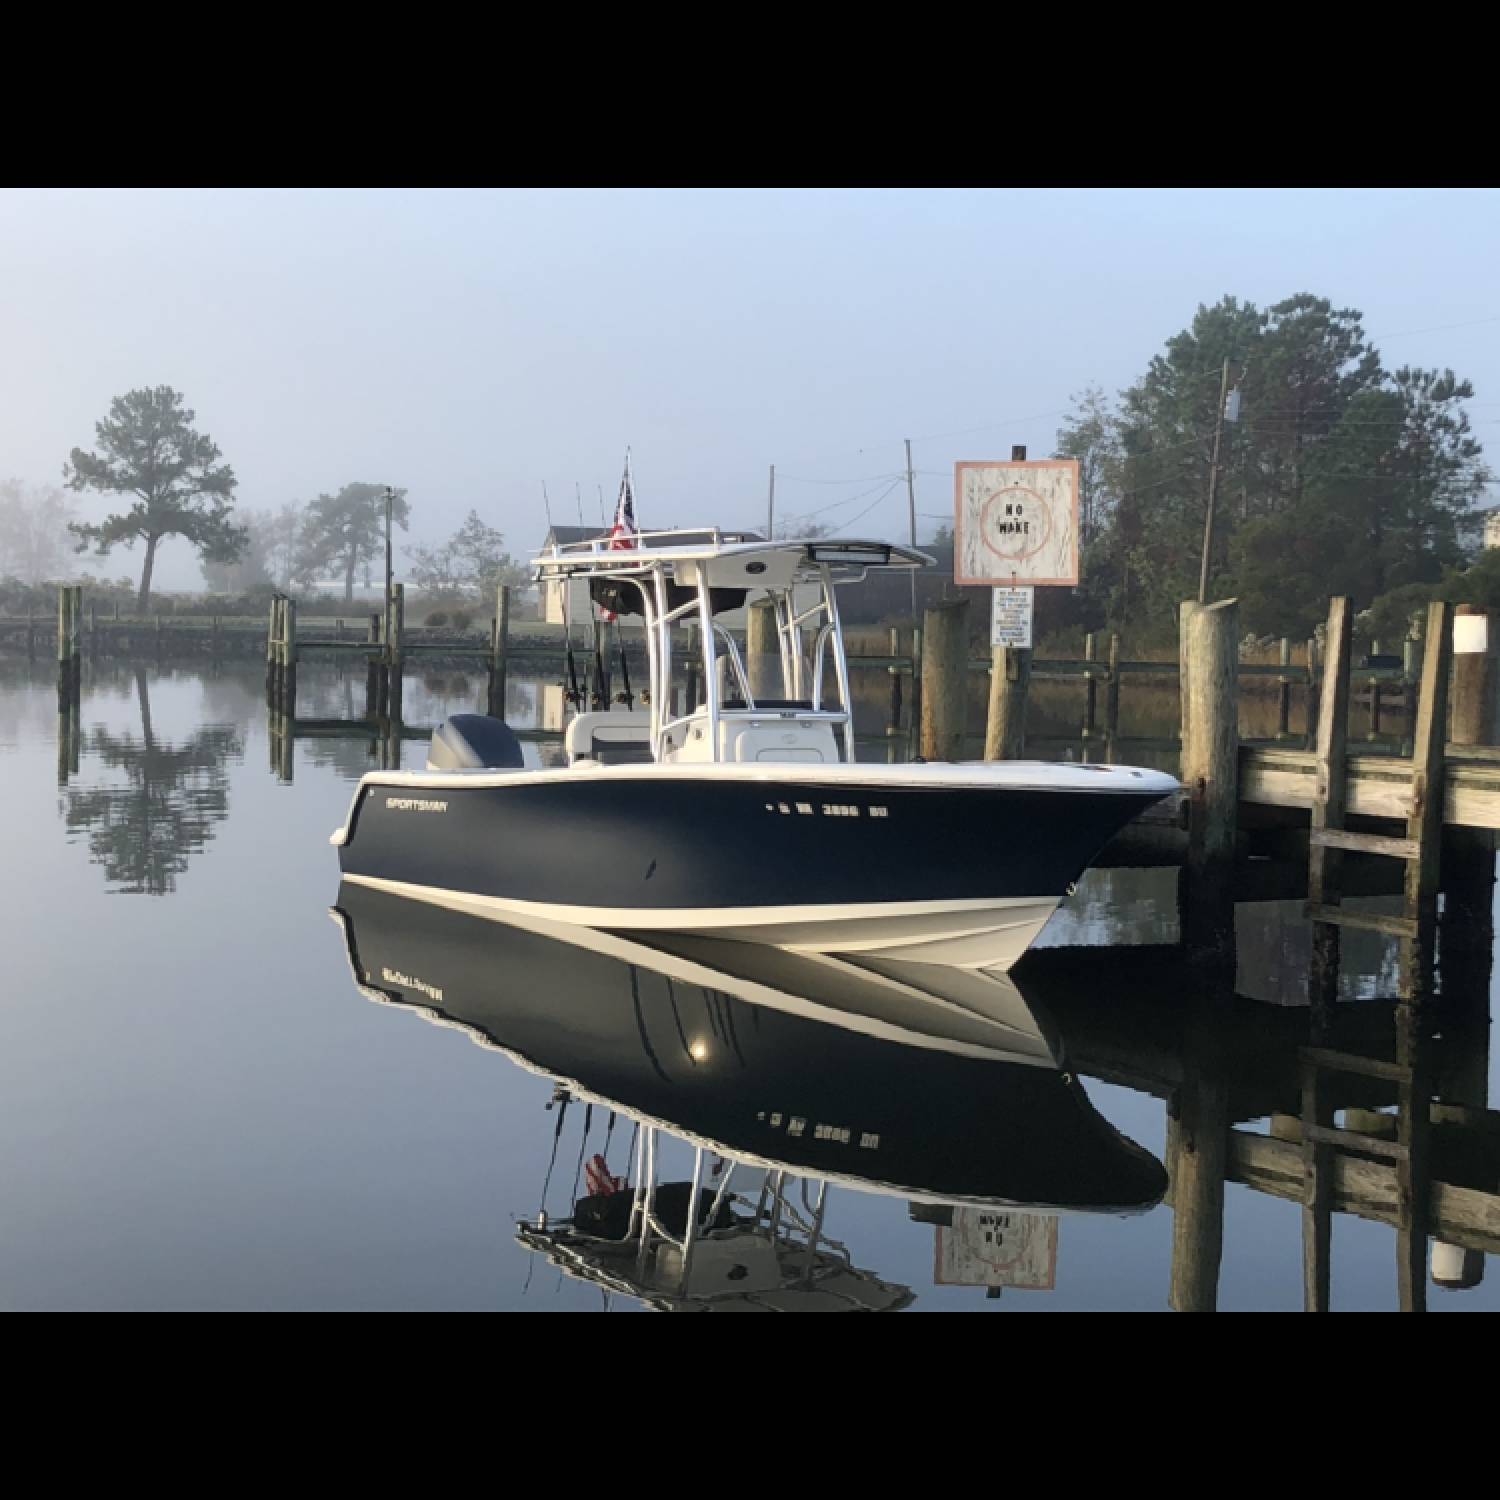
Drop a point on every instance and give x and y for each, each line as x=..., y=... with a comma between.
x=620, y=737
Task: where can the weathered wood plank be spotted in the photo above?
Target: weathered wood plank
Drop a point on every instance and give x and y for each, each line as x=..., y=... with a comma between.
x=1460, y=1216
x=1364, y=843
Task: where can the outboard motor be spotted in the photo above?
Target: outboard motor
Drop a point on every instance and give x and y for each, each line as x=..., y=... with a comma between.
x=474, y=742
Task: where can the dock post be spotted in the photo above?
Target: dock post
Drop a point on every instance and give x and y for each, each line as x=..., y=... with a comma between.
x=1284, y=693
x=499, y=650
x=1198, y=1161
x=271, y=647
x=1313, y=693
x=1010, y=684
x=1468, y=920
x=64, y=646
x=945, y=679
x=1112, y=698
x=372, y=669
x=1210, y=771
x=289, y=664
x=893, y=716
x=763, y=651
x=1329, y=799
x=1090, y=685
x=1425, y=825
x=30, y=634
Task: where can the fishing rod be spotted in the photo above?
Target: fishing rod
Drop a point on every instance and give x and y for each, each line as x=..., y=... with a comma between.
x=571, y=694
x=600, y=696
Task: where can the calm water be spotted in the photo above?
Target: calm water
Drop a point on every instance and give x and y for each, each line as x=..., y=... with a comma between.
x=216, y=1092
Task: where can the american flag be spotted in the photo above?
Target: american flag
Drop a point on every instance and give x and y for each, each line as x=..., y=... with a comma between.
x=622, y=533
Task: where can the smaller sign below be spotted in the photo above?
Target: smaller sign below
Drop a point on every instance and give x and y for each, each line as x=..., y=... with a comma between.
x=1011, y=617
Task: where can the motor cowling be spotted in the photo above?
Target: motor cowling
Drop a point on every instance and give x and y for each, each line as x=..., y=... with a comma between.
x=474, y=742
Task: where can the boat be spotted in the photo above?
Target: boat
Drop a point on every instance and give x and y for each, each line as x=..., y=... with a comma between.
x=741, y=1084
x=741, y=812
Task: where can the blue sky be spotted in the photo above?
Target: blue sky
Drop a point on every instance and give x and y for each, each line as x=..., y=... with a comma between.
x=470, y=344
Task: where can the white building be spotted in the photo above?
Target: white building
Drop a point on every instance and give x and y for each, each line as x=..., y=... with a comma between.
x=1492, y=529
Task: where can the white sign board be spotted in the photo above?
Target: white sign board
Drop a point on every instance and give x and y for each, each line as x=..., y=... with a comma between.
x=1016, y=523
x=1011, y=616
x=998, y=1247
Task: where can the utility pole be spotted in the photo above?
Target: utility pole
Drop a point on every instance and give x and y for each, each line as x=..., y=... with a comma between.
x=771, y=506
x=1213, y=486
x=911, y=494
x=390, y=501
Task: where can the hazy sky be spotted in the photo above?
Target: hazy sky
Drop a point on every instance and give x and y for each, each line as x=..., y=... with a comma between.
x=471, y=344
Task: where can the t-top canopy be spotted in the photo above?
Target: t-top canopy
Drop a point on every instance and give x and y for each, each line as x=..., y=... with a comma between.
x=649, y=550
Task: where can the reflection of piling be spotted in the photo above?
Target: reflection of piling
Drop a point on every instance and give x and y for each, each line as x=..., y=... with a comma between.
x=945, y=679
x=1210, y=769
x=1197, y=1157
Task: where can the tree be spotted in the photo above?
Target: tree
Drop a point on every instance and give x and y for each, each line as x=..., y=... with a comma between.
x=34, y=536
x=471, y=564
x=341, y=531
x=252, y=570
x=148, y=448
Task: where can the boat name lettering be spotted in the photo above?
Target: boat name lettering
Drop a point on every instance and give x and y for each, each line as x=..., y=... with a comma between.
x=415, y=804
x=827, y=809
x=407, y=982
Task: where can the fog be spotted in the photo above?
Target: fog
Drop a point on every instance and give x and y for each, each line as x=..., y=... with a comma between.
x=472, y=345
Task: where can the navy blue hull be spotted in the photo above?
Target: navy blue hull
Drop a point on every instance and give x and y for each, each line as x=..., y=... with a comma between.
x=677, y=844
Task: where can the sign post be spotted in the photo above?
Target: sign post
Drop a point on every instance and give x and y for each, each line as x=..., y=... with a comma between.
x=1015, y=529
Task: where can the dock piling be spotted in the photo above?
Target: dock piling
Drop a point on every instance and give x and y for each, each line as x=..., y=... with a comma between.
x=945, y=679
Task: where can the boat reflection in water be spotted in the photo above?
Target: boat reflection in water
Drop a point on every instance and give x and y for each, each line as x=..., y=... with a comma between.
x=782, y=1072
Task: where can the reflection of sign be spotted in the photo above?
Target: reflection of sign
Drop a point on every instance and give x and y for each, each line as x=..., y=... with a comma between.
x=998, y=1247
x=1016, y=522
x=1010, y=617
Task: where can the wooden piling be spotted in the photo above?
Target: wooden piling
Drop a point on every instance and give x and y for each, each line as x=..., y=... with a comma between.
x=893, y=713
x=1284, y=694
x=1010, y=684
x=1329, y=801
x=499, y=648
x=288, y=694
x=1425, y=825
x=945, y=679
x=1112, y=694
x=1468, y=918
x=763, y=651
x=1210, y=770
x=272, y=635
x=1090, y=685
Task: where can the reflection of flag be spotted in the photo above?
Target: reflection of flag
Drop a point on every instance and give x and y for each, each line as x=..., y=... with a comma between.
x=602, y=1184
